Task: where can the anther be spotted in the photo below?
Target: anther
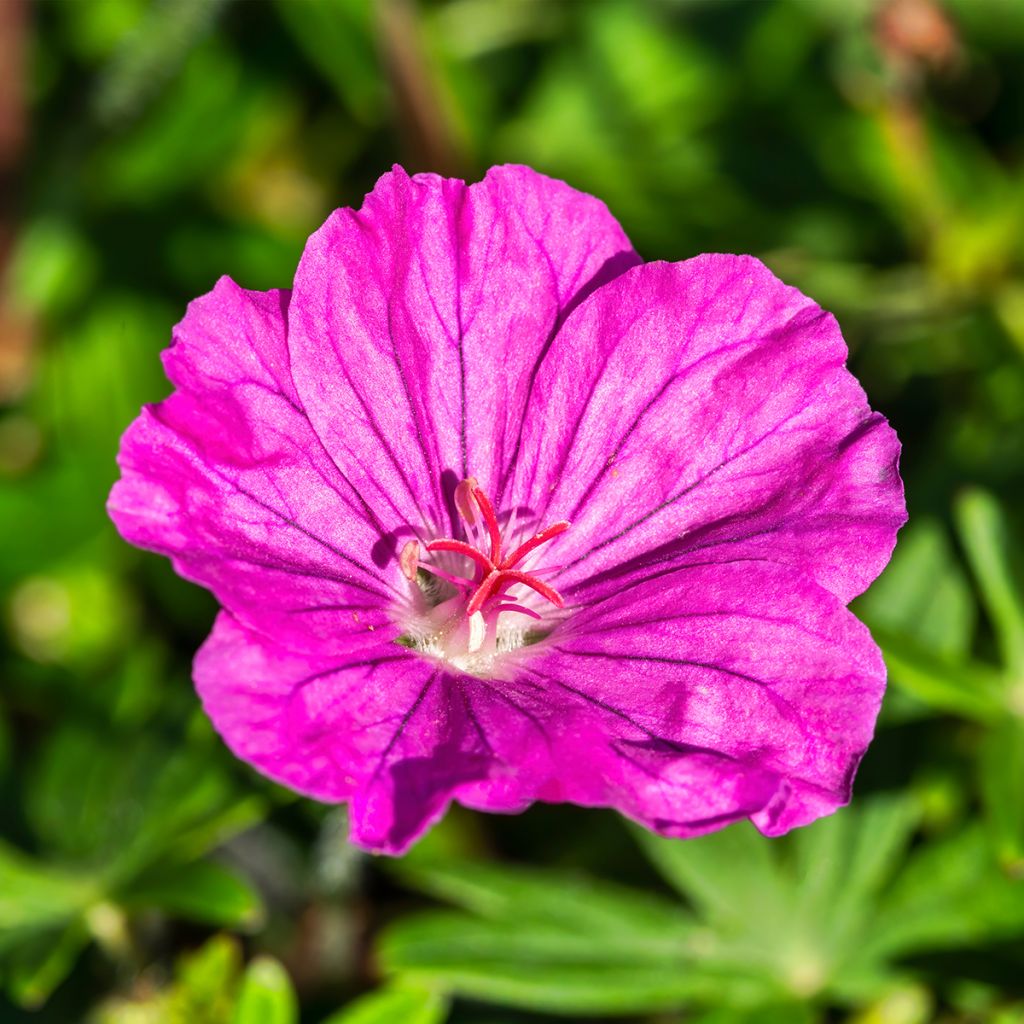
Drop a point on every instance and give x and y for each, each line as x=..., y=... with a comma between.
x=409, y=560
x=493, y=572
x=464, y=499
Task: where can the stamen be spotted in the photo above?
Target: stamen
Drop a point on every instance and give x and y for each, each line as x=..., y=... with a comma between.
x=494, y=572
x=487, y=511
x=462, y=548
x=456, y=581
x=464, y=499
x=484, y=591
x=517, y=608
x=534, y=542
x=534, y=584
x=477, y=632
x=409, y=560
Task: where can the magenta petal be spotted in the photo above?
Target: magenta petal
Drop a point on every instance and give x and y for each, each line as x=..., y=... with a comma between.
x=727, y=486
x=712, y=693
x=227, y=477
x=419, y=320
x=392, y=733
x=705, y=407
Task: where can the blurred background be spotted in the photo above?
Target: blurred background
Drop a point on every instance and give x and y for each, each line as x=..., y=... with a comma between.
x=872, y=153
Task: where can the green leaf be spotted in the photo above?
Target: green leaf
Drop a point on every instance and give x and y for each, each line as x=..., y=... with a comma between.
x=39, y=965
x=843, y=861
x=539, y=967
x=969, y=690
x=396, y=1004
x=572, y=902
x=731, y=876
x=986, y=538
x=205, y=983
x=5, y=743
x=337, y=37
x=1002, y=788
x=203, y=891
x=123, y=805
x=786, y=1013
x=841, y=864
x=35, y=896
x=266, y=995
x=923, y=595
x=950, y=894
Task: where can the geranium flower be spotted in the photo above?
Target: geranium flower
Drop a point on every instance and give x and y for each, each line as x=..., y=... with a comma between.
x=497, y=513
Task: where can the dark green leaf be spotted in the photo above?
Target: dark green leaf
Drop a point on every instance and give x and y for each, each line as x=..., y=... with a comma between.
x=41, y=963
x=203, y=891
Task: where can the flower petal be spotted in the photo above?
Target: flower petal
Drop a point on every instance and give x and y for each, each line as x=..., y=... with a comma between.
x=711, y=694
x=227, y=477
x=715, y=692
x=418, y=323
x=390, y=732
x=705, y=407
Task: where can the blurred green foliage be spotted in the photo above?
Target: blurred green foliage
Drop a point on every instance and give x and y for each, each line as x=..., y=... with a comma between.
x=870, y=152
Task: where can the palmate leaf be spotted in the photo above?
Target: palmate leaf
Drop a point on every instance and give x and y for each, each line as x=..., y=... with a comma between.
x=842, y=863
x=536, y=966
x=949, y=895
x=546, y=940
x=820, y=917
x=566, y=901
x=124, y=824
x=730, y=876
x=796, y=910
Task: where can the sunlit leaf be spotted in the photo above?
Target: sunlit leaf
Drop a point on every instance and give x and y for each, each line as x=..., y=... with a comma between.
x=730, y=875
x=34, y=895
x=1002, y=786
x=970, y=689
x=923, y=594
x=266, y=995
x=395, y=1003
x=539, y=967
x=985, y=534
x=601, y=911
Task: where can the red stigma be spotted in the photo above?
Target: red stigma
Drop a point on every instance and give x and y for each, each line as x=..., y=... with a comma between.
x=495, y=570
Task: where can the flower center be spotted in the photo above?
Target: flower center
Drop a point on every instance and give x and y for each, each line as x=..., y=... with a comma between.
x=469, y=590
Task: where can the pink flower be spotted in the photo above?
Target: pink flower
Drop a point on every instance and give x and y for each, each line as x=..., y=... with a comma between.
x=497, y=513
